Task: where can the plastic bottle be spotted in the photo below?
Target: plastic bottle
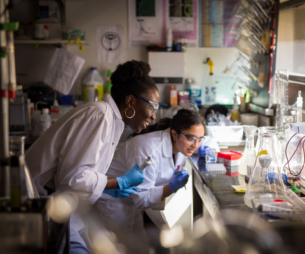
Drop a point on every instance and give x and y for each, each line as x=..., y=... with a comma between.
x=108, y=83
x=235, y=112
x=46, y=32
x=45, y=120
x=210, y=86
x=173, y=95
x=194, y=91
x=299, y=107
x=30, y=111
x=169, y=40
x=35, y=123
x=93, y=83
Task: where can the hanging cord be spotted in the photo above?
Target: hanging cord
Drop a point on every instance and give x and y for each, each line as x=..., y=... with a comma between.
x=294, y=154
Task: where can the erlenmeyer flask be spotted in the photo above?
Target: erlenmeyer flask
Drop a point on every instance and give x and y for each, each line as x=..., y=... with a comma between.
x=249, y=155
x=22, y=181
x=262, y=130
x=266, y=176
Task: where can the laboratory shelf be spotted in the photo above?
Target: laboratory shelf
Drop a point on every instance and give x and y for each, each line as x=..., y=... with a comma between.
x=49, y=42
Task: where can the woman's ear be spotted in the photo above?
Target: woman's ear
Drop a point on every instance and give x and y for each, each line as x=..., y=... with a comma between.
x=130, y=101
x=174, y=135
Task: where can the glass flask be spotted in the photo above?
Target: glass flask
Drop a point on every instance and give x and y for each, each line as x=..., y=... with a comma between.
x=284, y=135
x=249, y=155
x=21, y=178
x=266, y=176
x=262, y=130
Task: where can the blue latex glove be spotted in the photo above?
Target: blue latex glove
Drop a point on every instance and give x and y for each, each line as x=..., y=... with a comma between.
x=204, y=151
x=117, y=193
x=133, y=177
x=179, y=180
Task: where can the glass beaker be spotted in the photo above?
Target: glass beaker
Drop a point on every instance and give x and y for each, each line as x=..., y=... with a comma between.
x=266, y=176
x=249, y=155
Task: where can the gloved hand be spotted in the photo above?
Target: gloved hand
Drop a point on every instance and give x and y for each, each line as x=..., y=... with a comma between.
x=206, y=151
x=179, y=180
x=117, y=193
x=133, y=177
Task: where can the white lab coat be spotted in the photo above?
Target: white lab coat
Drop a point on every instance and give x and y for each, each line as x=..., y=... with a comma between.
x=126, y=214
x=75, y=153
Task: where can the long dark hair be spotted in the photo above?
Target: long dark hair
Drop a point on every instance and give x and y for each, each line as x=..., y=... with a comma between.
x=183, y=120
x=131, y=78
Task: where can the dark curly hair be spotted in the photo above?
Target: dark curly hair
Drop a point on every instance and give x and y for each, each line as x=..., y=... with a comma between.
x=183, y=120
x=131, y=78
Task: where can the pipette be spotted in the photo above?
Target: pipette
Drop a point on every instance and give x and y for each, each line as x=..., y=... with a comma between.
x=145, y=163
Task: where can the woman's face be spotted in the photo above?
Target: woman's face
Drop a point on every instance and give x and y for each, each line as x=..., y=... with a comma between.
x=144, y=111
x=188, y=141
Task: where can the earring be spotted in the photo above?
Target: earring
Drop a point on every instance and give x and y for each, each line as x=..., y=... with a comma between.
x=134, y=112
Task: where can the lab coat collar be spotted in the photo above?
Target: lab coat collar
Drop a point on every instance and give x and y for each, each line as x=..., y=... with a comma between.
x=108, y=98
x=167, y=143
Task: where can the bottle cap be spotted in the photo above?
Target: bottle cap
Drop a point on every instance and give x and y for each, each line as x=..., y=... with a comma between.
x=93, y=68
x=45, y=111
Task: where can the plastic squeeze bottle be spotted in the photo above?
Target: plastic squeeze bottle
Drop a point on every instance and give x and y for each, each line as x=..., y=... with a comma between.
x=210, y=86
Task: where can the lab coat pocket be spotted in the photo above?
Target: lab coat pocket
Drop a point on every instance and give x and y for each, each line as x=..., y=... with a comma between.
x=117, y=215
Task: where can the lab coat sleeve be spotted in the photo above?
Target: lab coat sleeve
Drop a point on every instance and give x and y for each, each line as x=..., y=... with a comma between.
x=80, y=155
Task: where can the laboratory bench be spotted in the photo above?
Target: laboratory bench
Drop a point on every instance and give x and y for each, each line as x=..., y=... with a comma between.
x=214, y=193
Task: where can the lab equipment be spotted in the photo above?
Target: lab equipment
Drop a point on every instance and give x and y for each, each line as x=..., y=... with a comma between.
x=19, y=122
x=133, y=177
x=262, y=130
x=249, y=119
x=249, y=155
x=49, y=11
x=215, y=169
x=145, y=163
x=296, y=190
x=282, y=83
x=108, y=82
x=178, y=169
x=195, y=92
x=229, y=158
x=173, y=95
x=210, y=86
x=179, y=180
x=295, y=200
x=93, y=86
x=206, y=153
x=169, y=40
x=266, y=176
x=117, y=193
x=183, y=97
x=36, y=123
x=299, y=107
x=45, y=120
x=39, y=30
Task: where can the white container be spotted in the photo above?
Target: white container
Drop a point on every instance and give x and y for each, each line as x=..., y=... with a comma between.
x=45, y=120
x=39, y=31
x=249, y=119
x=225, y=133
x=93, y=86
x=35, y=123
x=169, y=40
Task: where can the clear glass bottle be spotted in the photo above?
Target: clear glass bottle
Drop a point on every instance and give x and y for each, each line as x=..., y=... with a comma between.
x=266, y=176
x=261, y=131
x=249, y=155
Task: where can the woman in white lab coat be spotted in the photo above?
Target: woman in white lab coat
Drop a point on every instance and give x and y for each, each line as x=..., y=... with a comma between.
x=74, y=154
x=168, y=143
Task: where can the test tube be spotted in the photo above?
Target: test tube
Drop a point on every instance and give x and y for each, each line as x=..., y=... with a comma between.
x=145, y=163
x=178, y=169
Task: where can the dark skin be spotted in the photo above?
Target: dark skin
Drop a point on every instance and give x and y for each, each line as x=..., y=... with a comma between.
x=143, y=117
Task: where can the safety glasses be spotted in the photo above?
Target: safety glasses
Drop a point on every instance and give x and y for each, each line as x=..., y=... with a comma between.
x=191, y=139
x=154, y=105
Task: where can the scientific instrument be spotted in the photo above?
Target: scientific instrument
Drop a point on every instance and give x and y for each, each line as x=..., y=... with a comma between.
x=299, y=107
x=282, y=83
x=262, y=130
x=266, y=176
x=249, y=155
x=145, y=163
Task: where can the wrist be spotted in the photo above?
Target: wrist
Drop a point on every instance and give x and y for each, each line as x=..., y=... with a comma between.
x=112, y=183
x=172, y=187
x=167, y=191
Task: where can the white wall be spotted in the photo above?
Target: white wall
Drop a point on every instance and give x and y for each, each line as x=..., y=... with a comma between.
x=291, y=40
x=88, y=15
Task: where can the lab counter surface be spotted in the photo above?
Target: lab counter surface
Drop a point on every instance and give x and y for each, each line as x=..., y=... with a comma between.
x=214, y=193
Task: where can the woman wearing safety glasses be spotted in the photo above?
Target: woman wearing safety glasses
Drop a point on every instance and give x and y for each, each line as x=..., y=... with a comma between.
x=74, y=153
x=168, y=143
